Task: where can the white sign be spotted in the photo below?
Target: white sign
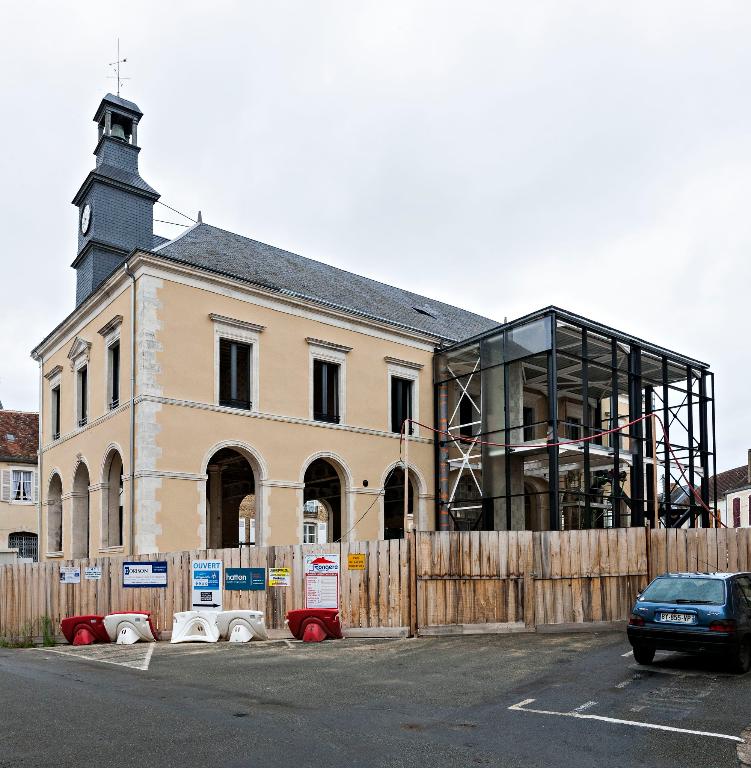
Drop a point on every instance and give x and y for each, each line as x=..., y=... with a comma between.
x=70, y=574
x=322, y=590
x=92, y=573
x=242, y=530
x=145, y=574
x=322, y=564
x=206, y=584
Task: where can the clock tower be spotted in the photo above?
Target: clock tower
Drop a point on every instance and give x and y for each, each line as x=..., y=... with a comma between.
x=115, y=205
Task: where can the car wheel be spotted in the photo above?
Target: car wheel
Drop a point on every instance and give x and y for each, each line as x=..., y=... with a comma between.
x=644, y=654
x=742, y=658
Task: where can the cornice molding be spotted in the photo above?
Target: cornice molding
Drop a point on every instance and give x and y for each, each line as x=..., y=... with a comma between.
x=328, y=345
x=403, y=363
x=111, y=326
x=245, y=325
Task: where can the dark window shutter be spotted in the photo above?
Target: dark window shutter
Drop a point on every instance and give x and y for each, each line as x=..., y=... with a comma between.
x=736, y=513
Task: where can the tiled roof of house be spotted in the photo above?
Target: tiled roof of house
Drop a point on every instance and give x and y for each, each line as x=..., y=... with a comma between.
x=19, y=436
x=240, y=257
x=730, y=480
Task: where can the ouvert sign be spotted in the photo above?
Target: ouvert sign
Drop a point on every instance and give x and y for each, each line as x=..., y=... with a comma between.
x=206, y=584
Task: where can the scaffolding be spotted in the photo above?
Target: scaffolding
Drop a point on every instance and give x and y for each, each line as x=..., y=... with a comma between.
x=520, y=412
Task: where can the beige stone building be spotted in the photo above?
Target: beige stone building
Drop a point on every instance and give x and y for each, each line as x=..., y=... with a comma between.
x=18, y=485
x=212, y=379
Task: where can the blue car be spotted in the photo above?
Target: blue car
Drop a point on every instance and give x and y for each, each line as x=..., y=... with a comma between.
x=694, y=613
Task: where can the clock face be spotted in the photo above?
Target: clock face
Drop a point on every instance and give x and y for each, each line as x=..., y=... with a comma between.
x=85, y=218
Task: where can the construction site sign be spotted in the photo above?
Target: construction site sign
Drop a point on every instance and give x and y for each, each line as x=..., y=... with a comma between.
x=356, y=561
x=145, y=574
x=322, y=590
x=206, y=584
x=70, y=574
x=322, y=564
x=280, y=577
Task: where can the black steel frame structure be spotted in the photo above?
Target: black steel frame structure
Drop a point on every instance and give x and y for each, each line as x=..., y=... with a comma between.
x=514, y=404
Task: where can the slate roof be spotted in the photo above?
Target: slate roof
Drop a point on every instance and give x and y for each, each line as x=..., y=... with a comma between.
x=248, y=260
x=730, y=480
x=118, y=101
x=19, y=436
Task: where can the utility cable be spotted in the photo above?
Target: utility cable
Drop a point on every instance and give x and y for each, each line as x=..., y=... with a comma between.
x=189, y=218
x=476, y=441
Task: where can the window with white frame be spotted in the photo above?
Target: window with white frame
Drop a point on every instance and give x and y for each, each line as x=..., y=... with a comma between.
x=18, y=485
x=79, y=362
x=236, y=354
x=111, y=334
x=403, y=394
x=328, y=378
x=234, y=374
x=55, y=411
x=53, y=378
x=21, y=485
x=82, y=395
x=113, y=375
x=309, y=533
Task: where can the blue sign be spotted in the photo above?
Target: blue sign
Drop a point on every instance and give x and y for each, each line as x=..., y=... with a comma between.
x=206, y=588
x=245, y=578
x=145, y=575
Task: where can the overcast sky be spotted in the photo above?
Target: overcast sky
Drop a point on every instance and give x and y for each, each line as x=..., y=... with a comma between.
x=499, y=156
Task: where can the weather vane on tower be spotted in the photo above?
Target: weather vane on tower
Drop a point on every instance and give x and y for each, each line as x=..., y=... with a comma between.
x=116, y=68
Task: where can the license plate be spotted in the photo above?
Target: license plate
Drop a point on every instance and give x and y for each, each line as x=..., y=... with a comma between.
x=678, y=618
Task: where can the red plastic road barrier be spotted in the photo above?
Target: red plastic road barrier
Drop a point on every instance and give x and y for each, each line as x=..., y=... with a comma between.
x=323, y=623
x=84, y=630
x=313, y=632
x=144, y=613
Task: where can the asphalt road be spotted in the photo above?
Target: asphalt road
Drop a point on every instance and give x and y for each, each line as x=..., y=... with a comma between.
x=513, y=700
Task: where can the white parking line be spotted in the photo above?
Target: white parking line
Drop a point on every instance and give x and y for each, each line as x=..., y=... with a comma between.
x=133, y=657
x=586, y=705
x=522, y=707
x=630, y=653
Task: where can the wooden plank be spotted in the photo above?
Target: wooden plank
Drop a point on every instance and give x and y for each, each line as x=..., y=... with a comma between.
x=722, y=549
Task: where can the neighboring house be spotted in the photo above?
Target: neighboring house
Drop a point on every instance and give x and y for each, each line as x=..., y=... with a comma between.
x=734, y=496
x=19, y=440
x=268, y=387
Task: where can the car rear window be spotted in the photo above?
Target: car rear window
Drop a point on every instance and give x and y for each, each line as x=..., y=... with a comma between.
x=672, y=589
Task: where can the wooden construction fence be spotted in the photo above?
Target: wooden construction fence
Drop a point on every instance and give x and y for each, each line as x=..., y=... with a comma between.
x=430, y=581
x=375, y=597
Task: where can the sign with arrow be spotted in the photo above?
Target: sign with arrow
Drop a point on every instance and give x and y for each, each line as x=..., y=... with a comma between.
x=206, y=584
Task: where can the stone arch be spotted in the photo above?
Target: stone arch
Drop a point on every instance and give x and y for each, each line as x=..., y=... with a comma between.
x=536, y=504
x=54, y=506
x=327, y=478
x=233, y=490
x=80, y=510
x=113, y=497
x=414, y=472
x=336, y=461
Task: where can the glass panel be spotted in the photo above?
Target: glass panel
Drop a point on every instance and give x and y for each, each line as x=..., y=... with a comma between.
x=234, y=374
x=528, y=339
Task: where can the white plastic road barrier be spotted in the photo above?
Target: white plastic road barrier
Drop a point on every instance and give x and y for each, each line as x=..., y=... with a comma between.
x=194, y=627
x=241, y=626
x=129, y=628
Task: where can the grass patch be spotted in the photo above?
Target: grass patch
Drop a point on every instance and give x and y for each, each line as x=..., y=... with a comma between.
x=26, y=637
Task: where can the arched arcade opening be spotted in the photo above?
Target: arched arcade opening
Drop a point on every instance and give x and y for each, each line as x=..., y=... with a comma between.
x=323, y=498
x=230, y=500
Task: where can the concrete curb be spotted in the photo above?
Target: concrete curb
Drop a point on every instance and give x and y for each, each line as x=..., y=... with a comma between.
x=592, y=626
